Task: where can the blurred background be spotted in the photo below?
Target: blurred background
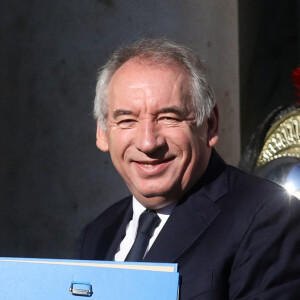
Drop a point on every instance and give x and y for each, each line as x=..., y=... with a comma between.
x=53, y=179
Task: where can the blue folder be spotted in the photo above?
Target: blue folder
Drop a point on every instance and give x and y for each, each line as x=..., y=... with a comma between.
x=45, y=279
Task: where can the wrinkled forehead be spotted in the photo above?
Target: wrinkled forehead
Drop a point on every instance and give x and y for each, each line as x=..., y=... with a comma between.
x=160, y=80
x=151, y=61
x=136, y=67
x=149, y=93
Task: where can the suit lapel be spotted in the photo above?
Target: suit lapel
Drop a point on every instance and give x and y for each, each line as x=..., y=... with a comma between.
x=118, y=233
x=192, y=216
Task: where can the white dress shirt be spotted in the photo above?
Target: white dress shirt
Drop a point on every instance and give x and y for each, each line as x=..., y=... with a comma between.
x=132, y=226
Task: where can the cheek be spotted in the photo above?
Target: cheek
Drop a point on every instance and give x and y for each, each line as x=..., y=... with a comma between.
x=179, y=140
x=118, y=142
x=194, y=150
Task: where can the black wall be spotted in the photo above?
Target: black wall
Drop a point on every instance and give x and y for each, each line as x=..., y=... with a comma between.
x=269, y=32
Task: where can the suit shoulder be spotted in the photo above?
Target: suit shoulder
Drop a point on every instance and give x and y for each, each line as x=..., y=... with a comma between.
x=241, y=179
x=257, y=191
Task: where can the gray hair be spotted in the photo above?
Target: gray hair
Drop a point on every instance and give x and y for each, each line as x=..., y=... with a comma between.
x=157, y=51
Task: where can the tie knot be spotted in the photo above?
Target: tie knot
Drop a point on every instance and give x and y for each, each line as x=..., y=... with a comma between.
x=148, y=221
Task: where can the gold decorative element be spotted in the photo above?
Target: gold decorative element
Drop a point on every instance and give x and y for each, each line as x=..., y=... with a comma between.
x=282, y=139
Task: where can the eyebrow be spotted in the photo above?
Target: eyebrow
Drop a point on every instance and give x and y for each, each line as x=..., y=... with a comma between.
x=173, y=109
x=121, y=112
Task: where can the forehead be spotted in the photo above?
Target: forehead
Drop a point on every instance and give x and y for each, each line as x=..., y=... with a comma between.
x=147, y=67
x=138, y=80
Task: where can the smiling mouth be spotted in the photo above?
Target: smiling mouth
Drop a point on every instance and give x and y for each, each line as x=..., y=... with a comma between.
x=153, y=163
x=148, y=165
x=150, y=168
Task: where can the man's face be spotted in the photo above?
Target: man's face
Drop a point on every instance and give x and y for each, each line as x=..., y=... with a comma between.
x=151, y=132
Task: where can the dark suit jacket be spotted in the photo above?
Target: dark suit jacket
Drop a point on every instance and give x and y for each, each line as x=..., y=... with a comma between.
x=234, y=236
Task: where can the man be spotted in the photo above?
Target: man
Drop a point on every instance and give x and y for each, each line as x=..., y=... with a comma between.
x=234, y=236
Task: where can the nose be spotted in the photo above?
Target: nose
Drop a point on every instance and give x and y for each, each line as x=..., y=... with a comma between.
x=148, y=138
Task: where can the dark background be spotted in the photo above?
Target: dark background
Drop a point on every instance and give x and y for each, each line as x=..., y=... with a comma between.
x=269, y=33
x=53, y=180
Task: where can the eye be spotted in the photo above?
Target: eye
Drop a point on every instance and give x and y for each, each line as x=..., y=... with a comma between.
x=168, y=120
x=126, y=123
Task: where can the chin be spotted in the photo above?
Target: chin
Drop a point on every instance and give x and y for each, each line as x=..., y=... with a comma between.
x=153, y=193
x=154, y=200
x=154, y=189
x=155, y=203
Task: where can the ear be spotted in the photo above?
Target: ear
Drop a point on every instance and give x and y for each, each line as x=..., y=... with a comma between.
x=213, y=126
x=101, y=139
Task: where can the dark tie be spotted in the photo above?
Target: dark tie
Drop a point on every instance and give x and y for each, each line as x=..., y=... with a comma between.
x=148, y=221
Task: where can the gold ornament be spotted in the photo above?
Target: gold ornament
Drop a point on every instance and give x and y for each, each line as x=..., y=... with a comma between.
x=282, y=139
